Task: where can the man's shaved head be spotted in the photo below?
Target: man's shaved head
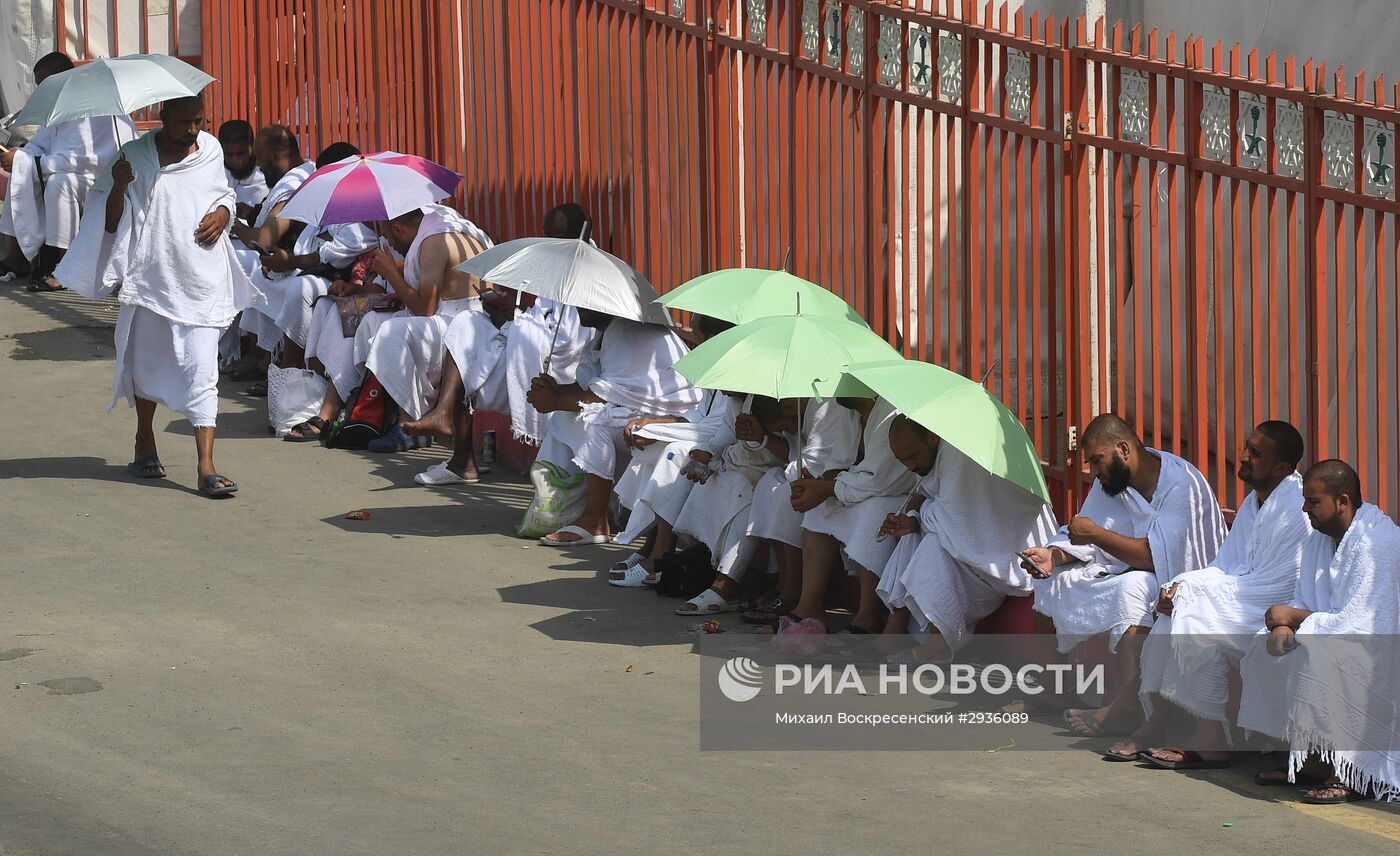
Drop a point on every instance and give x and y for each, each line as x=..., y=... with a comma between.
x=1331, y=496
x=1113, y=452
x=279, y=139
x=1337, y=478
x=335, y=152
x=1288, y=443
x=236, y=131
x=50, y=64
x=1108, y=429
x=913, y=445
x=568, y=221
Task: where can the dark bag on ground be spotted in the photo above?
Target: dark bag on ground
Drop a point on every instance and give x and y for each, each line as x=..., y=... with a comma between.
x=368, y=414
x=685, y=573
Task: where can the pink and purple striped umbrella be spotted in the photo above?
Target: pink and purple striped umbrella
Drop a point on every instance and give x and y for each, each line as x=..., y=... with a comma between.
x=369, y=188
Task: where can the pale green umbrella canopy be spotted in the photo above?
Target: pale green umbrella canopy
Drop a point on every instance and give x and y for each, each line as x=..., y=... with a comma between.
x=963, y=414
x=786, y=356
x=112, y=86
x=740, y=295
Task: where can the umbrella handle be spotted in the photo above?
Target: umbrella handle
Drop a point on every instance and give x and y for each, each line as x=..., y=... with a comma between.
x=116, y=135
x=558, y=322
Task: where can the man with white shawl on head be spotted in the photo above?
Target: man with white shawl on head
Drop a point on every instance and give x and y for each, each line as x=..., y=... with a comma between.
x=1205, y=617
x=50, y=177
x=630, y=373
x=841, y=519
x=1149, y=517
x=404, y=351
x=665, y=449
x=156, y=226
x=1324, y=674
x=958, y=538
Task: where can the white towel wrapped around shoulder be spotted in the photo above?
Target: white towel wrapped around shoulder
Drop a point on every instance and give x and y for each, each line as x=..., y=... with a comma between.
x=1345, y=692
x=963, y=563
x=153, y=254
x=1188, y=655
x=1099, y=593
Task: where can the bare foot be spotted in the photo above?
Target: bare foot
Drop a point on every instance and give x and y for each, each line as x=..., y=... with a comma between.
x=433, y=424
x=1124, y=750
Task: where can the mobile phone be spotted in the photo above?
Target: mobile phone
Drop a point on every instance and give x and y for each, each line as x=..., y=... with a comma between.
x=261, y=250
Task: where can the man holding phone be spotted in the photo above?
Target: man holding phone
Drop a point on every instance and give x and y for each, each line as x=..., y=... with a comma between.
x=1150, y=517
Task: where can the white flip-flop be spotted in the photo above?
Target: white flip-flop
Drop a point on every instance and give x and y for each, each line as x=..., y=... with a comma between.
x=438, y=475
x=707, y=602
x=619, y=567
x=585, y=537
x=634, y=576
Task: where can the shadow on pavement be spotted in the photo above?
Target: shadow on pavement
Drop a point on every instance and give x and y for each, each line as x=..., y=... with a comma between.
x=80, y=469
x=83, y=342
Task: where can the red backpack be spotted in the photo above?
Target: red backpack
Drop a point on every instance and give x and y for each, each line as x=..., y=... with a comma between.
x=368, y=414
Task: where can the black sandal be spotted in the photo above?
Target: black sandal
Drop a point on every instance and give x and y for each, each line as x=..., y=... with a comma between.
x=304, y=431
x=1347, y=795
x=768, y=614
x=47, y=283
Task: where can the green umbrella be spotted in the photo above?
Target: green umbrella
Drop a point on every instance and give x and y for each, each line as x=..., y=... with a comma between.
x=741, y=295
x=961, y=412
x=786, y=356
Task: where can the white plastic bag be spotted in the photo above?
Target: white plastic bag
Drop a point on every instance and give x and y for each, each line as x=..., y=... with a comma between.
x=558, y=501
x=293, y=396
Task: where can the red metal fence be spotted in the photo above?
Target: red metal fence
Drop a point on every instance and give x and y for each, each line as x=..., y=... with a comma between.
x=1196, y=238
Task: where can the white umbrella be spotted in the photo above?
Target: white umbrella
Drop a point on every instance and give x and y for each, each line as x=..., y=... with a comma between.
x=112, y=86
x=573, y=272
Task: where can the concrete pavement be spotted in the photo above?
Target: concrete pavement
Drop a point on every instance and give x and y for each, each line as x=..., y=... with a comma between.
x=262, y=676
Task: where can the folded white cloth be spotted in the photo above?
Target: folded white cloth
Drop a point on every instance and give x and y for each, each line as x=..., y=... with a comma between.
x=652, y=486
x=407, y=351
x=24, y=205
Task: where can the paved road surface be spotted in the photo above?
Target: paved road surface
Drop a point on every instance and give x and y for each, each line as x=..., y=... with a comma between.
x=262, y=676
